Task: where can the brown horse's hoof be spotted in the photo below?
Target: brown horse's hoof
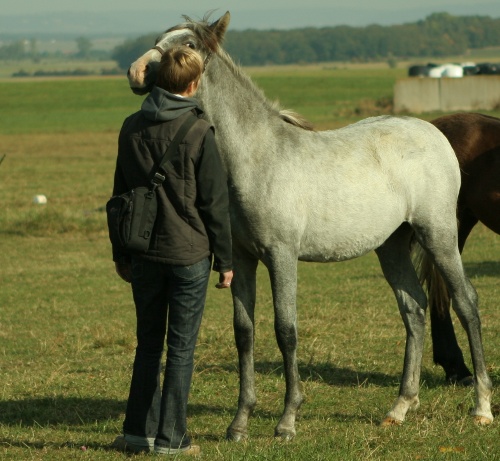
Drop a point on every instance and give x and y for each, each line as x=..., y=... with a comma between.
x=468, y=381
x=482, y=420
x=389, y=421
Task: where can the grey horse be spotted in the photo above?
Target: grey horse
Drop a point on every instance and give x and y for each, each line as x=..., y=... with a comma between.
x=297, y=194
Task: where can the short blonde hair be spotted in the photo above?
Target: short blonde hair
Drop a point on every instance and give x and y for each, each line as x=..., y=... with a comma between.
x=178, y=68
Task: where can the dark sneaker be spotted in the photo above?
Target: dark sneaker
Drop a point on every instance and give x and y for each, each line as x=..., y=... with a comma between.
x=120, y=444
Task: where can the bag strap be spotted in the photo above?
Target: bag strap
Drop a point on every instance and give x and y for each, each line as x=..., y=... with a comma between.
x=158, y=178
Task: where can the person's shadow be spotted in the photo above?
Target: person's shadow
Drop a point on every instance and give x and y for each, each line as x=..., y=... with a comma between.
x=69, y=411
x=57, y=411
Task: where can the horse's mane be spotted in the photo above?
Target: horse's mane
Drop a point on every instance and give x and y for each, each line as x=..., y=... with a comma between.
x=203, y=31
x=286, y=115
x=296, y=119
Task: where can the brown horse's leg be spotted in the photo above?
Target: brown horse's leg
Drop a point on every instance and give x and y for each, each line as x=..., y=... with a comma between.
x=446, y=351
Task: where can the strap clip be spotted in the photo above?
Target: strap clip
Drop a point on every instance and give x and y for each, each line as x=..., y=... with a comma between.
x=157, y=180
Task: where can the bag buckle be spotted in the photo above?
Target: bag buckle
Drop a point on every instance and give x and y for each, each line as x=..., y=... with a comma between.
x=157, y=180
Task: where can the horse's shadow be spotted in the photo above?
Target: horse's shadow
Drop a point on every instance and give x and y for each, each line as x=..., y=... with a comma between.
x=75, y=411
x=334, y=376
x=483, y=269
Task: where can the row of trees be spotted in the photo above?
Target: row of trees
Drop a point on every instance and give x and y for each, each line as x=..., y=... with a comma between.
x=22, y=49
x=439, y=34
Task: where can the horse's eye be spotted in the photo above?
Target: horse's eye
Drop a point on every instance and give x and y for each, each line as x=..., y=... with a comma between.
x=191, y=45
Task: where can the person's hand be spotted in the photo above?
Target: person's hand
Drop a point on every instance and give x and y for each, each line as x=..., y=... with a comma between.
x=225, y=279
x=124, y=270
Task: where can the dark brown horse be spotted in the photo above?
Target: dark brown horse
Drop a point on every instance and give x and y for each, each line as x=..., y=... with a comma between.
x=476, y=141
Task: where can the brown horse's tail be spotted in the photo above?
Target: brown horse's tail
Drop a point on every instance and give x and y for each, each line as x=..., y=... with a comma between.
x=430, y=278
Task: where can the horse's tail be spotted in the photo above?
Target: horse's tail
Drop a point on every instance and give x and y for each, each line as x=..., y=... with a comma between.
x=430, y=278
x=296, y=119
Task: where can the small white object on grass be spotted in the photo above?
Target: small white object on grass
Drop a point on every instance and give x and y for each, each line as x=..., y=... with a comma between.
x=40, y=199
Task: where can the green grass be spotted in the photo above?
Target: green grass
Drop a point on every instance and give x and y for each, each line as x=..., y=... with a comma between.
x=330, y=97
x=67, y=320
x=323, y=94
x=65, y=105
x=327, y=97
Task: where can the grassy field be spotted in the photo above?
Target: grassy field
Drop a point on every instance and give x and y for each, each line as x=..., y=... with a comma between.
x=67, y=321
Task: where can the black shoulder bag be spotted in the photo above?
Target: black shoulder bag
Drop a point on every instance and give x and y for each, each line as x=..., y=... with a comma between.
x=131, y=216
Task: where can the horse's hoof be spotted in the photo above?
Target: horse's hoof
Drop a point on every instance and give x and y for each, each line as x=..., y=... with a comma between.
x=236, y=436
x=465, y=381
x=390, y=421
x=482, y=420
x=468, y=381
x=286, y=436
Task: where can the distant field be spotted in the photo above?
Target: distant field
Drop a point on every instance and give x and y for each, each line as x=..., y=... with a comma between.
x=329, y=97
x=67, y=321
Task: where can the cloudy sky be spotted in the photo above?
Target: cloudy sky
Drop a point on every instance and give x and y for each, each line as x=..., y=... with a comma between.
x=151, y=15
x=29, y=6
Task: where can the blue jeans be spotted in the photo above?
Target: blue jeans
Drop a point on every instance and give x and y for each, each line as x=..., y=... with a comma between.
x=169, y=302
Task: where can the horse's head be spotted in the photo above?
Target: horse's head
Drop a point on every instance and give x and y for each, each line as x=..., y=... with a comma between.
x=200, y=36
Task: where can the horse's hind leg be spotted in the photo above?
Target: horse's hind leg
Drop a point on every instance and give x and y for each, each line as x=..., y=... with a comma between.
x=446, y=351
x=243, y=289
x=464, y=301
x=394, y=257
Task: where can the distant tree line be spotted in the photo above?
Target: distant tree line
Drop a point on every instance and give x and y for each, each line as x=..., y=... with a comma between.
x=439, y=34
x=27, y=49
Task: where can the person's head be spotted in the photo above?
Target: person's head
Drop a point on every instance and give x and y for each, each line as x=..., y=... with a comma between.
x=180, y=71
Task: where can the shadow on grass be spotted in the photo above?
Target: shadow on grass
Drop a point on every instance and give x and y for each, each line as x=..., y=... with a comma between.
x=333, y=376
x=483, y=269
x=345, y=377
x=71, y=411
x=39, y=445
x=328, y=374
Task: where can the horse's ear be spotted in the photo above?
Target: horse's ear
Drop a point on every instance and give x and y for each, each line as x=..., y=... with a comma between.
x=219, y=27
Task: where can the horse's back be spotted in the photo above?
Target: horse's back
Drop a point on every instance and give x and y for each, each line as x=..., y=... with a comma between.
x=401, y=150
x=339, y=194
x=350, y=189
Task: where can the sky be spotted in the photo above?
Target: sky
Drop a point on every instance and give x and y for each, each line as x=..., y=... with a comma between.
x=133, y=16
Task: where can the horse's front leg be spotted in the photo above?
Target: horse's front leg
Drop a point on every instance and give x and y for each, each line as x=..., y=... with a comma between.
x=243, y=289
x=283, y=274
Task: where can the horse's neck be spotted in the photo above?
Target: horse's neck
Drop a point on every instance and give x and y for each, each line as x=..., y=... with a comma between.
x=235, y=106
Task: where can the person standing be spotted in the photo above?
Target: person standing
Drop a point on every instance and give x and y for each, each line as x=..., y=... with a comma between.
x=191, y=236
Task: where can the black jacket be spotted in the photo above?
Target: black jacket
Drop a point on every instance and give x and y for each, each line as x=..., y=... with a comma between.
x=193, y=218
